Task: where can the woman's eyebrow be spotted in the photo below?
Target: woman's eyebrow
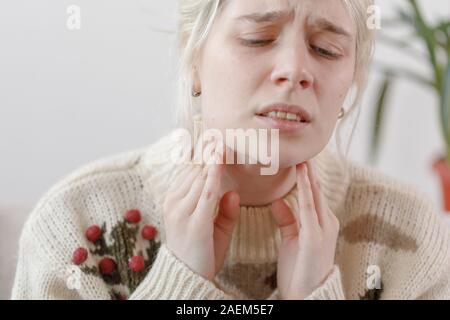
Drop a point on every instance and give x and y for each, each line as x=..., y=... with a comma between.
x=273, y=16
x=326, y=25
x=270, y=16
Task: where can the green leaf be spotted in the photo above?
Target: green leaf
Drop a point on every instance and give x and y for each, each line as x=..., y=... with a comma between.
x=445, y=108
x=443, y=26
x=442, y=35
x=427, y=34
x=380, y=108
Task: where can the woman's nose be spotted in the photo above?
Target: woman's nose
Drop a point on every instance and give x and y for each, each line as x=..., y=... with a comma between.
x=292, y=68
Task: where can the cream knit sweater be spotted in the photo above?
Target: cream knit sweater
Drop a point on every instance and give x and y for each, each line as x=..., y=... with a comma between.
x=392, y=243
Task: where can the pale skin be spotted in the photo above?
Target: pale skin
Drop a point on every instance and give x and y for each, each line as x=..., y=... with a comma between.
x=236, y=79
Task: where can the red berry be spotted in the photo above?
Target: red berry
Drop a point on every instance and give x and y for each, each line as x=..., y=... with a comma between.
x=136, y=263
x=107, y=266
x=148, y=232
x=79, y=256
x=93, y=233
x=133, y=216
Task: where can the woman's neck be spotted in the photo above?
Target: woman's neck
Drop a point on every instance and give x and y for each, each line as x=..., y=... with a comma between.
x=255, y=189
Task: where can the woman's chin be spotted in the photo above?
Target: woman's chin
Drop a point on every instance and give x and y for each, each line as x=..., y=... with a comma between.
x=289, y=163
x=288, y=157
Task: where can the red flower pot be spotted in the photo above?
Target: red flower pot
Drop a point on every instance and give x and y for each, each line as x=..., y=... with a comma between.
x=442, y=168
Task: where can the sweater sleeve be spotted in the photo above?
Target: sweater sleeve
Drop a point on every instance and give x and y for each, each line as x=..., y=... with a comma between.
x=45, y=275
x=45, y=272
x=331, y=288
x=439, y=289
x=171, y=279
x=39, y=277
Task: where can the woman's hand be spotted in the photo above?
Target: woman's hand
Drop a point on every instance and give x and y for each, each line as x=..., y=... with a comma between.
x=194, y=234
x=306, y=255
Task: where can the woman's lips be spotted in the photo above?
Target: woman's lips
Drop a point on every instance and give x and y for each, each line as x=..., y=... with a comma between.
x=282, y=124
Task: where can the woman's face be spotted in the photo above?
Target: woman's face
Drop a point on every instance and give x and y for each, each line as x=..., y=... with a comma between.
x=302, y=55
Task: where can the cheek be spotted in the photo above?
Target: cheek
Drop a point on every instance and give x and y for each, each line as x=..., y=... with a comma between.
x=236, y=67
x=217, y=95
x=332, y=88
x=229, y=80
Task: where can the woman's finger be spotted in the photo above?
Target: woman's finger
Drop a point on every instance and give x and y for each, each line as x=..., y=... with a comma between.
x=181, y=186
x=181, y=176
x=203, y=150
x=224, y=224
x=209, y=197
x=209, y=153
x=307, y=212
x=227, y=216
x=221, y=149
x=196, y=150
x=193, y=195
x=319, y=200
x=285, y=219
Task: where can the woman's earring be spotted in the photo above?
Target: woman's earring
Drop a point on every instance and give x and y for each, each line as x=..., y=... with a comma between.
x=341, y=113
x=196, y=93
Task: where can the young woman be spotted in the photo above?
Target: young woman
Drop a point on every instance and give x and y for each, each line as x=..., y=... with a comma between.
x=142, y=226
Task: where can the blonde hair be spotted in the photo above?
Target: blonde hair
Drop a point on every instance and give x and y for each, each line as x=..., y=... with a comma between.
x=195, y=20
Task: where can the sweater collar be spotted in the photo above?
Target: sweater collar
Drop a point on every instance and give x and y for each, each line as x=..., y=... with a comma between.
x=256, y=237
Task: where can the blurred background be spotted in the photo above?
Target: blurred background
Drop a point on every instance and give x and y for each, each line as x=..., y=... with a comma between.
x=68, y=97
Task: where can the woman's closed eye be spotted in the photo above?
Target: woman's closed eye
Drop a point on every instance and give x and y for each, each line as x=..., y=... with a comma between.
x=324, y=52
x=257, y=42
x=265, y=42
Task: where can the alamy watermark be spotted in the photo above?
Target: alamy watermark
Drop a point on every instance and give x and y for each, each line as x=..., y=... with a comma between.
x=74, y=17
x=374, y=279
x=71, y=275
x=251, y=146
x=373, y=21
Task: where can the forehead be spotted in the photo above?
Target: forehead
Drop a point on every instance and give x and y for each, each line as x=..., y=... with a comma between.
x=325, y=13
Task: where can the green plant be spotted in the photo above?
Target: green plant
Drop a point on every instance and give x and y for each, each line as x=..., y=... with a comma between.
x=436, y=39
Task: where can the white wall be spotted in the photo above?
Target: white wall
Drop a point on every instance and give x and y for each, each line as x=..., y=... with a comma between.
x=70, y=97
